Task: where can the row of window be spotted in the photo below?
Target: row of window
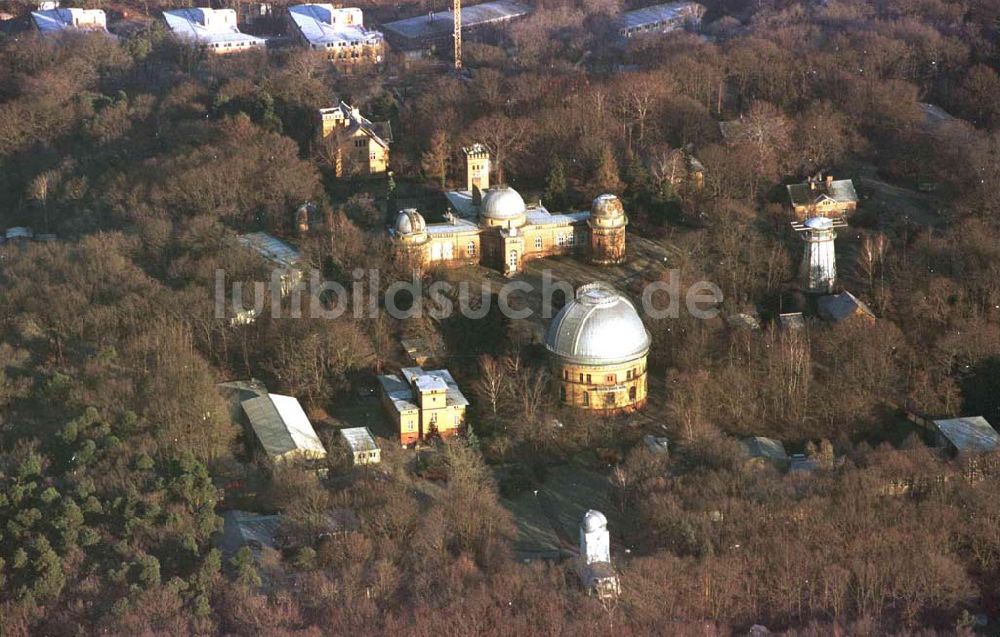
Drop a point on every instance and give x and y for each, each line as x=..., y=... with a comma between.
x=610, y=379
x=561, y=241
x=231, y=45
x=610, y=398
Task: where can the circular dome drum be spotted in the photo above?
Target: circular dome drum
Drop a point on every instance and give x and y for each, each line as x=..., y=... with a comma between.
x=502, y=204
x=607, y=206
x=410, y=221
x=598, y=327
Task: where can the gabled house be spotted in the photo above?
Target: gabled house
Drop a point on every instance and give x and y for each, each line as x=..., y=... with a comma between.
x=837, y=308
x=353, y=144
x=823, y=197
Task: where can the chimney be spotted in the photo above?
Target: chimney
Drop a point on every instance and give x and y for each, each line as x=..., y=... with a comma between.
x=812, y=183
x=829, y=181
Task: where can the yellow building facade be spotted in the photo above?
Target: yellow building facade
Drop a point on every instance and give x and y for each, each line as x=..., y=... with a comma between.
x=423, y=404
x=494, y=227
x=598, y=348
x=357, y=146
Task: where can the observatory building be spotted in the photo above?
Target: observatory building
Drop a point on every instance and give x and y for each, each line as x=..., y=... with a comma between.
x=597, y=350
x=819, y=268
x=494, y=227
x=596, y=571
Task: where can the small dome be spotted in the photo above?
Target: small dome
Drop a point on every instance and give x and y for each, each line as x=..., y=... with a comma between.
x=819, y=223
x=410, y=221
x=607, y=206
x=594, y=521
x=598, y=327
x=502, y=203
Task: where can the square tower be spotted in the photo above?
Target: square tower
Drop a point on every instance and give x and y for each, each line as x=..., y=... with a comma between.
x=477, y=168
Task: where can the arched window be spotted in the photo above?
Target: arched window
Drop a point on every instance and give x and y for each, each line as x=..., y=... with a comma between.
x=586, y=399
x=538, y=243
x=562, y=393
x=471, y=248
x=512, y=260
x=631, y=394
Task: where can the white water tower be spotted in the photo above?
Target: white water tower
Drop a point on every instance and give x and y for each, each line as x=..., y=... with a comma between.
x=819, y=266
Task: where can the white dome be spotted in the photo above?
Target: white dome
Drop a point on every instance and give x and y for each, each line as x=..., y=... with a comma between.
x=607, y=206
x=594, y=521
x=598, y=327
x=502, y=202
x=410, y=221
x=818, y=223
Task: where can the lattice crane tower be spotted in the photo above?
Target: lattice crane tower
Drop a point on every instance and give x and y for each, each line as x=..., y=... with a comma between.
x=456, y=10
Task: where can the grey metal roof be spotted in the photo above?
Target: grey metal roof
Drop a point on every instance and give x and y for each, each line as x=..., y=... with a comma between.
x=454, y=394
x=440, y=25
x=971, y=434
x=323, y=25
x=72, y=18
x=672, y=14
x=767, y=448
x=272, y=248
x=400, y=390
x=282, y=426
x=243, y=528
x=359, y=439
x=208, y=26
x=598, y=327
x=837, y=307
x=542, y=217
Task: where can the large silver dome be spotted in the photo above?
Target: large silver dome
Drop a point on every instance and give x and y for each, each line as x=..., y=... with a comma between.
x=598, y=327
x=502, y=202
x=410, y=221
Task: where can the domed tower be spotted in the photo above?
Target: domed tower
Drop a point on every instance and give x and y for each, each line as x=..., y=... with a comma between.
x=819, y=267
x=502, y=207
x=597, y=348
x=410, y=234
x=595, y=541
x=607, y=230
x=501, y=215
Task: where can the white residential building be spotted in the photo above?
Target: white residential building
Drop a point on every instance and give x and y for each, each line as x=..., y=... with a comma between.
x=339, y=32
x=214, y=30
x=53, y=21
x=361, y=442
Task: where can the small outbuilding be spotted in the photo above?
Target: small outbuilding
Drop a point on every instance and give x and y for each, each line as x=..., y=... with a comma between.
x=967, y=435
x=361, y=443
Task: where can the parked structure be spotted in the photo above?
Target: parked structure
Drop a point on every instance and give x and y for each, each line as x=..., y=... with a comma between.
x=283, y=429
x=766, y=450
x=966, y=435
x=818, y=272
x=286, y=258
x=597, y=348
x=357, y=146
x=423, y=404
x=660, y=18
x=494, y=227
x=837, y=308
x=57, y=20
x=214, y=30
x=596, y=571
x=823, y=197
x=425, y=33
x=339, y=32
x=361, y=442
x=247, y=529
